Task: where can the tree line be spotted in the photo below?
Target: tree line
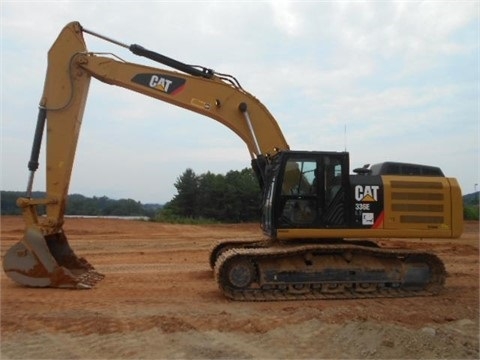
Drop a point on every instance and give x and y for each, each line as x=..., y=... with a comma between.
x=471, y=206
x=208, y=197
x=81, y=205
x=233, y=197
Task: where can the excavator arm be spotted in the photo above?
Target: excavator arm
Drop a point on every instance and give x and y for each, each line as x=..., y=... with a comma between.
x=70, y=68
x=44, y=257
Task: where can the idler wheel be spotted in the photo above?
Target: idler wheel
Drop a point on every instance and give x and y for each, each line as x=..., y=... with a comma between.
x=240, y=273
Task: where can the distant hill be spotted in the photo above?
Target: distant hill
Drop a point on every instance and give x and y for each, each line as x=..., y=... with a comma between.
x=470, y=206
x=471, y=199
x=81, y=205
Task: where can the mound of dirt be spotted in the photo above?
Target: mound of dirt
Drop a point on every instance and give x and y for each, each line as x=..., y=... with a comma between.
x=159, y=301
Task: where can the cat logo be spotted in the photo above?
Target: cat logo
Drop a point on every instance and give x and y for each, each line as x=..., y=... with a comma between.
x=162, y=82
x=366, y=193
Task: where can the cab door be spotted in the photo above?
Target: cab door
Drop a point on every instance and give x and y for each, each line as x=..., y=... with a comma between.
x=312, y=191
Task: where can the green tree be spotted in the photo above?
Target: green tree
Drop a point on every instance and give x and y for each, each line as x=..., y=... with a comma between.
x=211, y=196
x=244, y=196
x=184, y=202
x=8, y=203
x=234, y=197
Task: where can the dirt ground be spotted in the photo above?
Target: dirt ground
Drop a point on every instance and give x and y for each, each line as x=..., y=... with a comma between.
x=159, y=301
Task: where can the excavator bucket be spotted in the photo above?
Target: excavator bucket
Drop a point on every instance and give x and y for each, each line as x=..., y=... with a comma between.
x=48, y=261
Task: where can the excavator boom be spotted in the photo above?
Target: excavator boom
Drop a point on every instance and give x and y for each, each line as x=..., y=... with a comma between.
x=44, y=257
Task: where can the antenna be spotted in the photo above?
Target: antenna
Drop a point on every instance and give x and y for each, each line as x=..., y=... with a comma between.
x=345, y=136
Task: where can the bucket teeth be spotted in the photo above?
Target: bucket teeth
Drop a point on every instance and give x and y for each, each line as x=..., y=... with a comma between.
x=75, y=279
x=89, y=279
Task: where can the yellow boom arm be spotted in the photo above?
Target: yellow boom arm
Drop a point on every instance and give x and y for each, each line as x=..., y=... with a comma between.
x=70, y=68
x=44, y=257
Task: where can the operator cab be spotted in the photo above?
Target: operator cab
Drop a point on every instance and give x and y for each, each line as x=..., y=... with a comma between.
x=306, y=190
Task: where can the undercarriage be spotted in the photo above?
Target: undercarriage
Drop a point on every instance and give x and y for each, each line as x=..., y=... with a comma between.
x=259, y=271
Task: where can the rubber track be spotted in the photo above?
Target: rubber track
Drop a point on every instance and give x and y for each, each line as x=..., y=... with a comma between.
x=260, y=294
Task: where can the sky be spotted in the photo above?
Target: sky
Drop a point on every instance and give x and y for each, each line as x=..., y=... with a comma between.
x=384, y=80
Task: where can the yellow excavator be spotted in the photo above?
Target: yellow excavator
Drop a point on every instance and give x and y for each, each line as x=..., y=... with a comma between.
x=320, y=219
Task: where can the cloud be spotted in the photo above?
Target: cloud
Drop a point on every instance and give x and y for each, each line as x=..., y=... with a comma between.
x=401, y=76
x=286, y=18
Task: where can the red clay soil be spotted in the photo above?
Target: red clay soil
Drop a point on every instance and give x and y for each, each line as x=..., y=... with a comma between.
x=159, y=301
